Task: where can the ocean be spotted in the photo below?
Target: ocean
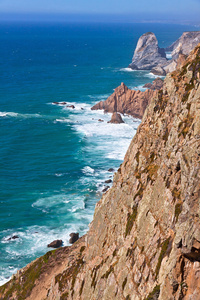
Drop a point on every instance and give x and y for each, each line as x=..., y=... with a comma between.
x=55, y=160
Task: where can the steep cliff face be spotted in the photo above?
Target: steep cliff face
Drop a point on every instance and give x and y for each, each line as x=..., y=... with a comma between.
x=144, y=241
x=126, y=101
x=184, y=44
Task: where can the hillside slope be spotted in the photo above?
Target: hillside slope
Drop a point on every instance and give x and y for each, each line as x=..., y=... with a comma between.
x=144, y=241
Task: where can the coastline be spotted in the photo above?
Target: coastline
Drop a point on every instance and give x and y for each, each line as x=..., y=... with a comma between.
x=39, y=184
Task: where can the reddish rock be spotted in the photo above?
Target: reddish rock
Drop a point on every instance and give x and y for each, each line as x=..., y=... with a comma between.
x=116, y=119
x=55, y=244
x=126, y=101
x=71, y=106
x=100, y=120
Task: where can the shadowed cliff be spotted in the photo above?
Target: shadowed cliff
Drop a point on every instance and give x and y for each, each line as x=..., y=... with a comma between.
x=144, y=241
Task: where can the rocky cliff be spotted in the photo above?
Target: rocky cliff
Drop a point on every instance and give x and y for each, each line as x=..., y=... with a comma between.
x=184, y=44
x=126, y=101
x=147, y=54
x=144, y=241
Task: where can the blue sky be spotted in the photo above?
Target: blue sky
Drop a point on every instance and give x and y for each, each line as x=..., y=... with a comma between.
x=150, y=9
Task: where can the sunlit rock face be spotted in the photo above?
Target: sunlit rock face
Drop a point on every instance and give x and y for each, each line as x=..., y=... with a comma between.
x=147, y=54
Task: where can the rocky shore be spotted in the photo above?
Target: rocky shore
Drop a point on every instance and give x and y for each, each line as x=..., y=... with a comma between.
x=148, y=55
x=144, y=240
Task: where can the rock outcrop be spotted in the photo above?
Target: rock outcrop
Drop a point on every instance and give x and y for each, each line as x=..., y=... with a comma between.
x=116, y=118
x=147, y=54
x=126, y=101
x=144, y=240
x=185, y=44
x=74, y=236
x=55, y=244
x=157, y=84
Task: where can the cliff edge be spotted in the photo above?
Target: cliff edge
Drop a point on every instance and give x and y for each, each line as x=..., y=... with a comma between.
x=144, y=241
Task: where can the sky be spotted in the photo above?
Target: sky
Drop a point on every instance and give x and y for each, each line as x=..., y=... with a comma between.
x=137, y=9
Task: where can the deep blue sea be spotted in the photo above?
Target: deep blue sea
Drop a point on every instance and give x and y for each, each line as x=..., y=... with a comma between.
x=54, y=160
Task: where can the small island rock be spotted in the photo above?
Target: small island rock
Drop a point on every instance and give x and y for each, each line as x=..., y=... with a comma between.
x=73, y=237
x=116, y=119
x=55, y=244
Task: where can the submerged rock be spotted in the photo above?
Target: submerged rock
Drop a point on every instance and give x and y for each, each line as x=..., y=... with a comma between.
x=73, y=237
x=14, y=237
x=55, y=244
x=71, y=106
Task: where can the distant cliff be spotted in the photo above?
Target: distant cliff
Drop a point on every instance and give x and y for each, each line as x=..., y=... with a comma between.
x=148, y=55
x=144, y=240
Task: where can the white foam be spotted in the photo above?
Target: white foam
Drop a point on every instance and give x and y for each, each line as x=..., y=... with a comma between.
x=63, y=120
x=169, y=55
x=51, y=201
x=14, y=114
x=139, y=87
x=151, y=75
x=88, y=170
x=127, y=70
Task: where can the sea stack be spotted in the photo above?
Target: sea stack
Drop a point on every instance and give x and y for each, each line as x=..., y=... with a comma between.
x=147, y=54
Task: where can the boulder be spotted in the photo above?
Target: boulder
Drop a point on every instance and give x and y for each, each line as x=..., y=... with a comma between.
x=105, y=189
x=55, y=244
x=108, y=181
x=100, y=120
x=71, y=106
x=157, y=84
x=73, y=237
x=116, y=119
x=147, y=54
x=111, y=170
x=158, y=70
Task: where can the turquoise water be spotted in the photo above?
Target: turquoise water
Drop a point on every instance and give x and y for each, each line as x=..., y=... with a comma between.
x=54, y=160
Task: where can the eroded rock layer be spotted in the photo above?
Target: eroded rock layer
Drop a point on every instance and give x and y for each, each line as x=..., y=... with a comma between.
x=144, y=241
